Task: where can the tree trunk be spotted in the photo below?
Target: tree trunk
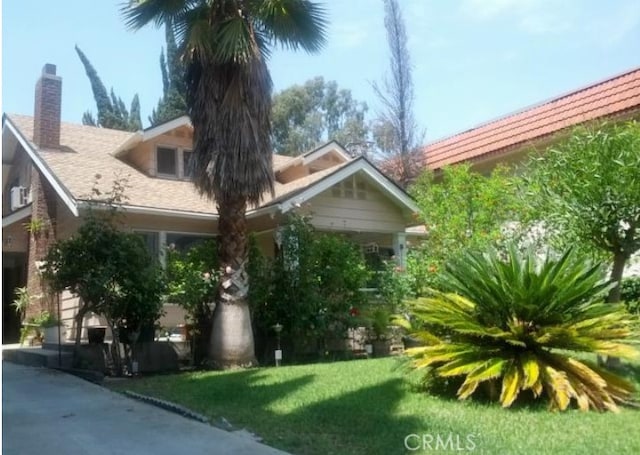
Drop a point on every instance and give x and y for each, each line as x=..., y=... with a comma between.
x=232, y=342
x=79, y=318
x=619, y=261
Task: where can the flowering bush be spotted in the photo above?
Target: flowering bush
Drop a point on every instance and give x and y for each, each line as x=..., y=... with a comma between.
x=311, y=287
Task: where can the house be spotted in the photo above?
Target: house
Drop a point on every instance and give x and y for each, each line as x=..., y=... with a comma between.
x=509, y=139
x=49, y=170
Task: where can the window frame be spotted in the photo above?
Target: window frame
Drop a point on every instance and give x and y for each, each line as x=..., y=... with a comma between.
x=175, y=158
x=179, y=152
x=162, y=238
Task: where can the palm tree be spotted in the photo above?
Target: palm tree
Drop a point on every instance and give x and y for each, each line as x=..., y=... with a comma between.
x=225, y=45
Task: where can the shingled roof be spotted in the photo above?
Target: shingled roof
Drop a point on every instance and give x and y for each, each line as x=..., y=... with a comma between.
x=617, y=96
x=86, y=151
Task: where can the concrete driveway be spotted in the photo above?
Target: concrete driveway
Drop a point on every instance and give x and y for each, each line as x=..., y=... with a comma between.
x=46, y=411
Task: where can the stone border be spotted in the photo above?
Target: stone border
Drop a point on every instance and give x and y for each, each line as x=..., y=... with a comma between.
x=221, y=423
x=168, y=406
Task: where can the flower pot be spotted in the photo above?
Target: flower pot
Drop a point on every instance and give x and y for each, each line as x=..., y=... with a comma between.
x=381, y=348
x=52, y=335
x=410, y=342
x=96, y=335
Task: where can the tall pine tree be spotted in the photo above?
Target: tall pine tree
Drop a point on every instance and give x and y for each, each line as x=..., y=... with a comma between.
x=112, y=112
x=172, y=104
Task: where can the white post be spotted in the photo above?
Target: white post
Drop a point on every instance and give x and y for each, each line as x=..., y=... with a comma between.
x=400, y=248
x=162, y=247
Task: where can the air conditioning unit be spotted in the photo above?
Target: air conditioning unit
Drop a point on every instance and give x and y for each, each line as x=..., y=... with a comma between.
x=19, y=197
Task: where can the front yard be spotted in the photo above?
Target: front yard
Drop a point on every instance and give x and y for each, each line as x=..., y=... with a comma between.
x=371, y=407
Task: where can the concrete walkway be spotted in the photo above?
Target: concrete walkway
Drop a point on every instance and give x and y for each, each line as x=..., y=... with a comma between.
x=45, y=410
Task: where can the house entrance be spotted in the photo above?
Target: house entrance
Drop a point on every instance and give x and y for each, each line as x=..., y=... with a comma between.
x=13, y=276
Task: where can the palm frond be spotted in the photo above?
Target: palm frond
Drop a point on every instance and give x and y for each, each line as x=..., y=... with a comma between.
x=294, y=24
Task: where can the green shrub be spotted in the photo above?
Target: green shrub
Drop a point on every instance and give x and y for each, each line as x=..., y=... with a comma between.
x=515, y=321
x=311, y=287
x=630, y=294
x=46, y=319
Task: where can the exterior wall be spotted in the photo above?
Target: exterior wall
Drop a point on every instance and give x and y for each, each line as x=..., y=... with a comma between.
x=44, y=211
x=376, y=213
x=15, y=238
x=326, y=161
x=292, y=173
x=140, y=158
x=19, y=175
x=136, y=221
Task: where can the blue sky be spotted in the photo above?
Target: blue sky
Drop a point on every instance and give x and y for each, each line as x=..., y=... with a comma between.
x=473, y=59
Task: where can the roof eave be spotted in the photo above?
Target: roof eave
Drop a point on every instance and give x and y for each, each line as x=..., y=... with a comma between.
x=62, y=192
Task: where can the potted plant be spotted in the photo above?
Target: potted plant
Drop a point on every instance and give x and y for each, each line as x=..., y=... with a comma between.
x=96, y=334
x=52, y=327
x=29, y=330
x=379, y=332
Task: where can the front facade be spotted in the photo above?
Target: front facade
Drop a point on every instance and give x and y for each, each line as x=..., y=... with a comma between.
x=51, y=170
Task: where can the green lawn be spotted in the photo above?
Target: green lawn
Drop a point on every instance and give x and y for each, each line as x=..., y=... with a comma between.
x=369, y=407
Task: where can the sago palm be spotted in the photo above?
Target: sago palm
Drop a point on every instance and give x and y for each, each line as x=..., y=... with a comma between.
x=225, y=44
x=516, y=321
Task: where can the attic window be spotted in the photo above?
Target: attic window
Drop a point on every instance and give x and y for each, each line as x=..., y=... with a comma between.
x=167, y=162
x=187, y=171
x=350, y=188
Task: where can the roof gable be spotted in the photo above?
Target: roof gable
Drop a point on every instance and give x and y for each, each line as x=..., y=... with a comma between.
x=87, y=151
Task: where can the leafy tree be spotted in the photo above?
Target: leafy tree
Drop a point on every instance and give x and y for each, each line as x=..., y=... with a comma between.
x=172, y=104
x=516, y=322
x=112, y=112
x=112, y=273
x=587, y=191
x=306, y=115
x=110, y=270
x=395, y=131
x=192, y=283
x=224, y=45
x=462, y=209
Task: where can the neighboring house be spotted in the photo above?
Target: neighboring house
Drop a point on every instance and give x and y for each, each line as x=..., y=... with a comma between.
x=509, y=139
x=49, y=170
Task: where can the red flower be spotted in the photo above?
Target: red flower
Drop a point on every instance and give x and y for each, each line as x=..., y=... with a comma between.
x=353, y=311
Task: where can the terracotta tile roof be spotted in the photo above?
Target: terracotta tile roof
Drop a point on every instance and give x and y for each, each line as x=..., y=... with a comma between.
x=615, y=96
x=86, y=151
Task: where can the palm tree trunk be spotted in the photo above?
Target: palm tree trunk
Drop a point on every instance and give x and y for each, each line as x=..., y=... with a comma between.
x=232, y=342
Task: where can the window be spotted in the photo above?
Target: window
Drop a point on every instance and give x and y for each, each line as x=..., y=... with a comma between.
x=351, y=188
x=166, y=161
x=152, y=240
x=183, y=242
x=187, y=171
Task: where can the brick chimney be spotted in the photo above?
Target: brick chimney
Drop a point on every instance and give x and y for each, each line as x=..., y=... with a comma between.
x=46, y=118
